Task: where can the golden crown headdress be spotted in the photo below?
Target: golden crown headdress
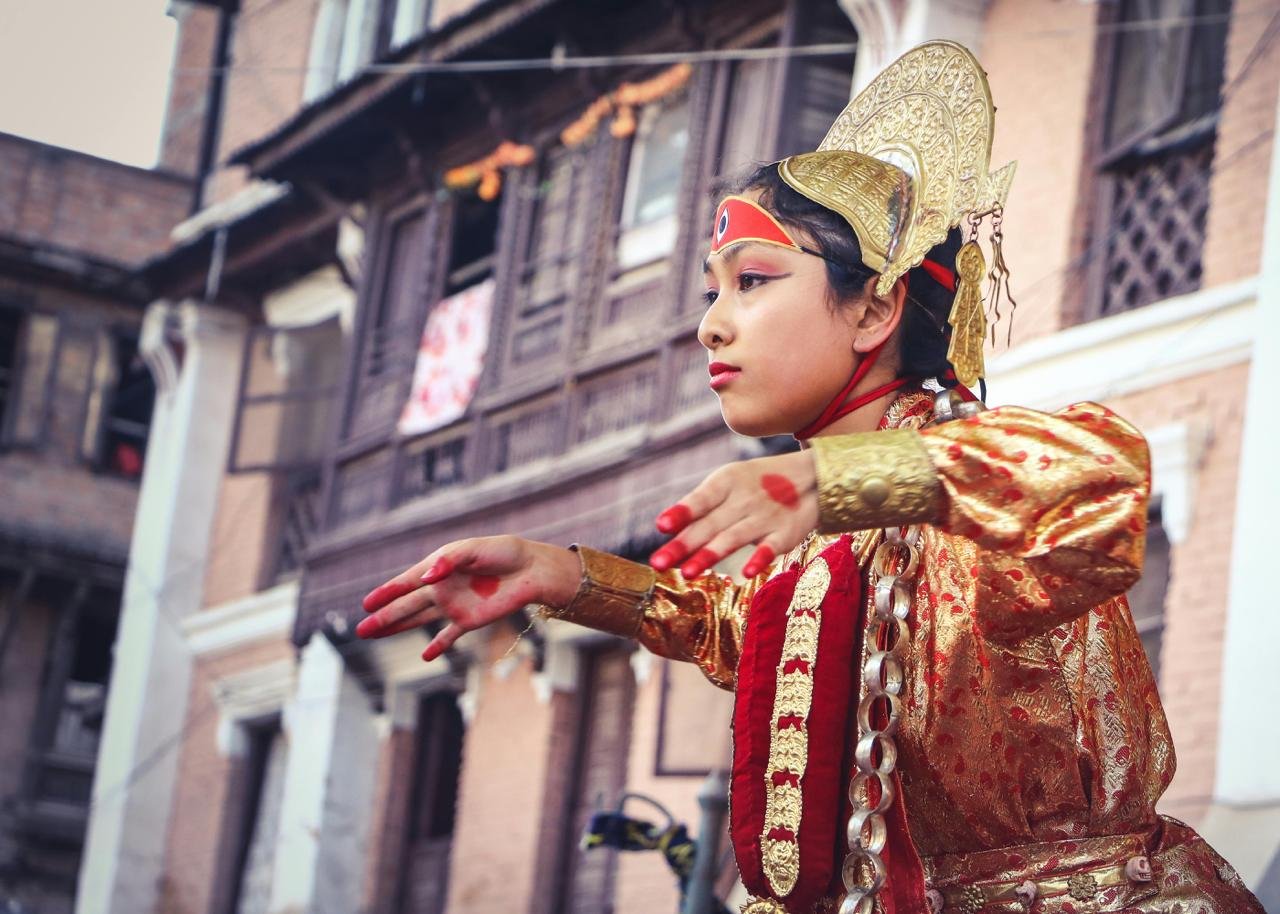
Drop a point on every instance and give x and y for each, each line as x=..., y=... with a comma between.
x=907, y=161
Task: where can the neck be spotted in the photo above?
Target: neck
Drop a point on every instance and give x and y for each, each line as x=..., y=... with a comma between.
x=866, y=418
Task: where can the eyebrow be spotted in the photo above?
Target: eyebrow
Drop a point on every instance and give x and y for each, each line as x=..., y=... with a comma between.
x=731, y=253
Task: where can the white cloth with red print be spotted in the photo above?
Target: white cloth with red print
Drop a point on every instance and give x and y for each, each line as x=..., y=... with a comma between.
x=450, y=359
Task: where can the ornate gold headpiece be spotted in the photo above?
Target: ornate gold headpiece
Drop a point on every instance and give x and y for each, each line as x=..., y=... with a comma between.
x=907, y=161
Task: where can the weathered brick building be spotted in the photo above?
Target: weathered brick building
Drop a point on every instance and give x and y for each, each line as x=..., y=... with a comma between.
x=75, y=406
x=258, y=758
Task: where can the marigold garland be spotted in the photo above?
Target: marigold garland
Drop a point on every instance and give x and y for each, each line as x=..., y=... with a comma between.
x=484, y=174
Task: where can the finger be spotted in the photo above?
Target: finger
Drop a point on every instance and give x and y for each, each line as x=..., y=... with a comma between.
x=381, y=621
x=433, y=569
x=417, y=620
x=709, y=494
x=759, y=561
x=722, y=544
x=443, y=641
x=694, y=537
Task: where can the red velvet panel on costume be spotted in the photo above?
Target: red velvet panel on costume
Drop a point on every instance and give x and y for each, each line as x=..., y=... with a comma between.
x=820, y=838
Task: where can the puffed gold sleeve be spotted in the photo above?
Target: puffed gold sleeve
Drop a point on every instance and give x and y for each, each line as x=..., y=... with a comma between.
x=1056, y=504
x=699, y=621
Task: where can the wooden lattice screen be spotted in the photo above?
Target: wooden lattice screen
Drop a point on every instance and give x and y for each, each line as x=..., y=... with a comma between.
x=1159, y=207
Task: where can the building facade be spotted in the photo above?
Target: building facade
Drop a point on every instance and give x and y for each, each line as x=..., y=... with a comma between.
x=75, y=409
x=375, y=184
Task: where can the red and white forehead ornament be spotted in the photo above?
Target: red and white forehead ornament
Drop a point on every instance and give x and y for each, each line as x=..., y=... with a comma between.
x=739, y=219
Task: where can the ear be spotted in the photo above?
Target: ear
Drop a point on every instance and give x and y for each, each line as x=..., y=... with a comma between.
x=880, y=315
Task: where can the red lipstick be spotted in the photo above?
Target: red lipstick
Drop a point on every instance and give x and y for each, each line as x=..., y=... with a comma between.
x=722, y=373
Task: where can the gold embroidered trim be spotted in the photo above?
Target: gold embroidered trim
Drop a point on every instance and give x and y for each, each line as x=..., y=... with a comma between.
x=789, y=748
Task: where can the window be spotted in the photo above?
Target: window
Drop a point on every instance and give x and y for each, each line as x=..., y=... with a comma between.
x=817, y=88
x=350, y=33
x=10, y=324
x=437, y=764
x=1147, y=597
x=393, y=321
x=121, y=399
x=68, y=726
x=1164, y=79
x=28, y=373
x=648, y=223
x=258, y=817
x=565, y=199
x=606, y=693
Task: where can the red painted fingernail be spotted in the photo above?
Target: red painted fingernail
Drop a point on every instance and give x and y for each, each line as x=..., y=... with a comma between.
x=700, y=562
x=758, y=562
x=384, y=594
x=662, y=559
x=369, y=627
x=674, y=519
x=438, y=572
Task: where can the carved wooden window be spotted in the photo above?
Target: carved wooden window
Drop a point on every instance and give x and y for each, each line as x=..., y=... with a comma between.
x=424, y=879
x=433, y=463
x=556, y=251
x=615, y=401
x=816, y=88
x=647, y=228
x=529, y=432
x=392, y=322
x=121, y=398
x=361, y=487
x=1166, y=63
x=29, y=376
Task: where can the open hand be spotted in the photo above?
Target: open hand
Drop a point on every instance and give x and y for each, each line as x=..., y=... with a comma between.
x=470, y=583
x=771, y=502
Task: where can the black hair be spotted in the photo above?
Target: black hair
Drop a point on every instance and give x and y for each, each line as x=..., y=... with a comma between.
x=925, y=335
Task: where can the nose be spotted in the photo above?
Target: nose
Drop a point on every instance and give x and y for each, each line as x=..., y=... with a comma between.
x=715, y=329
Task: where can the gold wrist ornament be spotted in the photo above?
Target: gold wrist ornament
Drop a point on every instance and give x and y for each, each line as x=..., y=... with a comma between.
x=874, y=479
x=611, y=596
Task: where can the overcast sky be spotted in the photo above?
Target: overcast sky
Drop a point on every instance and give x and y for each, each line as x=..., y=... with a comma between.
x=91, y=75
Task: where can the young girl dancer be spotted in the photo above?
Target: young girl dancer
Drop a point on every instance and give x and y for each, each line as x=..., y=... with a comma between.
x=941, y=701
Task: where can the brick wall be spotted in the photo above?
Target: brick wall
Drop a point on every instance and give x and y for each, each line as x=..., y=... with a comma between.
x=1196, y=603
x=187, y=108
x=1242, y=160
x=1039, y=59
x=500, y=802
x=270, y=48
x=91, y=206
x=243, y=541
x=202, y=796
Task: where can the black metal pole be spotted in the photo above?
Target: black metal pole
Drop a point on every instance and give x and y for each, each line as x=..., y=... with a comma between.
x=713, y=798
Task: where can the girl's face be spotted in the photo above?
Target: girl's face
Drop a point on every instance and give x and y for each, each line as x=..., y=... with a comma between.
x=778, y=349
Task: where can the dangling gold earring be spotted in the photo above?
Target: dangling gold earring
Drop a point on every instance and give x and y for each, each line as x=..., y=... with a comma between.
x=968, y=323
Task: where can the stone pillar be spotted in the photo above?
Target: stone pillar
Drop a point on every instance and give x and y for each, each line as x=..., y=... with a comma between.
x=194, y=352
x=329, y=781
x=887, y=29
x=1248, y=764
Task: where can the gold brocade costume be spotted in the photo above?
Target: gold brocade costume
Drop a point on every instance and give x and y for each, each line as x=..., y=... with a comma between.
x=1033, y=745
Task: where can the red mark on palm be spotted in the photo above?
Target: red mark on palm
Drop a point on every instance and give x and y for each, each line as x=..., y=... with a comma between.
x=381, y=596
x=780, y=489
x=485, y=585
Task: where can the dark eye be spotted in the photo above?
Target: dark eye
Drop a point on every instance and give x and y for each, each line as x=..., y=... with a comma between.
x=747, y=281
x=709, y=297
